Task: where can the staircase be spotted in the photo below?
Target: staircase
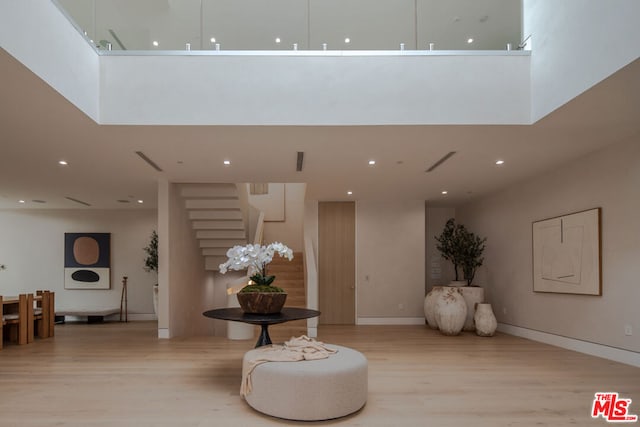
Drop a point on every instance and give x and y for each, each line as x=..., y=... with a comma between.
x=217, y=218
x=290, y=277
x=216, y=215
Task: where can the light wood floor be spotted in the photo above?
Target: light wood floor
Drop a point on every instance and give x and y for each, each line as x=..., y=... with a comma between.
x=121, y=375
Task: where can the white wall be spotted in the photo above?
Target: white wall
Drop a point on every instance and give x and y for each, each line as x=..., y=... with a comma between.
x=190, y=288
x=576, y=44
x=32, y=248
x=609, y=179
x=229, y=89
x=311, y=254
x=290, y=231
x=37, y=34
x=390, y=253
x=439, y=271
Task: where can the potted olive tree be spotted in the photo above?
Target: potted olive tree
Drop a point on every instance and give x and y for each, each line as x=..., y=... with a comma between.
x=449, y=246
x=151, y=264
x=464, y=249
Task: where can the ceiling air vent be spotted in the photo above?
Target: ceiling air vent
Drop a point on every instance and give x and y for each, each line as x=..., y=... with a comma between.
x=441, y=161
x=78, y=201
x=149, y=161
x=299, y=161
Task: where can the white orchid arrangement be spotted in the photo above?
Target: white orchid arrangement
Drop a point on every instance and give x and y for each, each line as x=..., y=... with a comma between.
x=255, y=258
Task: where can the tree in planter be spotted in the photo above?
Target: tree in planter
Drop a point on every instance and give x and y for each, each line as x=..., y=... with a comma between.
x=151, y=264
x=463, y=248
x=151, y=261
x=449, y=244
x=472, y=248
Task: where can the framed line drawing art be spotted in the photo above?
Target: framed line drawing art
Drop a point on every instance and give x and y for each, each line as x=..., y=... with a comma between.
x=567, y=254
x=87, y=260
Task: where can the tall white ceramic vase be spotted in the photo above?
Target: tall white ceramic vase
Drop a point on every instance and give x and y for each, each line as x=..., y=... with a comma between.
x=430, y=306
x=451, y=311
x=486, y=322
x=472, y=295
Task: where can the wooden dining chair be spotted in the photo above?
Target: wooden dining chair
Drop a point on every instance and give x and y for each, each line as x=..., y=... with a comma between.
x=52, y=313
x=15, y=318
x=39, y=315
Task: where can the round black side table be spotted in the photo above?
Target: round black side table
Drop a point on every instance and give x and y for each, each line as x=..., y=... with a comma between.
x=235, y=314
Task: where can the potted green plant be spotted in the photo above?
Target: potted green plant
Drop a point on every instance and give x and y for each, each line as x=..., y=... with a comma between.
x=449, y=245
x=151, y=260
x=471, y=247
x=260, y=296
x=463, y=248
x=151, y=264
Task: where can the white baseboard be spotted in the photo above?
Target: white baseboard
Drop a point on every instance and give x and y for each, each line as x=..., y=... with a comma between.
x=163, y=333
x=390, y=321
x=619, y=355
x=133, y=317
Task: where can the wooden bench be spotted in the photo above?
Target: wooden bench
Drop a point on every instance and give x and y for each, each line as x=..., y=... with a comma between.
x=93, y=315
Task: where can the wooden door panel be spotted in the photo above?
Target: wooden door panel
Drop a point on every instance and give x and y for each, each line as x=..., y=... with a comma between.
x=336, y=262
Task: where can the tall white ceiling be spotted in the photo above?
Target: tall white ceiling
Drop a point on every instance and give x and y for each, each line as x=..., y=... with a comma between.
x=40, y=127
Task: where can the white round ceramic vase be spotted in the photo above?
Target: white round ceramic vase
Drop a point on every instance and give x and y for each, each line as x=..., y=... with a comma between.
x=430, y=306
x=451, y=311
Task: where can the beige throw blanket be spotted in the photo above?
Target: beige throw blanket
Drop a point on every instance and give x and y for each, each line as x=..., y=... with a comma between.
x=294, y=350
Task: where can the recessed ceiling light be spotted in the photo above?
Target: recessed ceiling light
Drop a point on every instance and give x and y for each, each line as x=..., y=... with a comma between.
x=347, y=40
x=372, y=162
x=277, y=39
x=140, y=201
x=349, y=192
x=63, y=162
x=469, y=40
x=227, y=162
x=499, y=162
x=445, y=192
x=213, y=39
x=155, y=43
x=20, y=201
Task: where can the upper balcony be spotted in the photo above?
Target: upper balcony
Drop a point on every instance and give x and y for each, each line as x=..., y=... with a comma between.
x=277, y=25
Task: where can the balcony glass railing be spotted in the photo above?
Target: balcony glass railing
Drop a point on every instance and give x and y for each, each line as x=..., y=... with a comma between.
x=238, y=25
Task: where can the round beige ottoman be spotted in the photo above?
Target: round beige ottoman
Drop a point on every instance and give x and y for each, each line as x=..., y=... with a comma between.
x=312, y=389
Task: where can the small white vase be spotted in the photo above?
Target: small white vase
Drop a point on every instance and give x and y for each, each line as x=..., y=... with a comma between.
x=486, y=322
x=451, y=311
x=430, y=306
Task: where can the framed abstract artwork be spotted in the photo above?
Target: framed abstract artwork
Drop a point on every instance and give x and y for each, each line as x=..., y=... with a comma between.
x=87, y=260
x=567, y=254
